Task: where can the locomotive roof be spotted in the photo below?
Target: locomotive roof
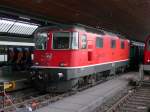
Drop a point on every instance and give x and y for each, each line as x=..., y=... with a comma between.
x=75, y=26
x=81, y=27
x=88, y=29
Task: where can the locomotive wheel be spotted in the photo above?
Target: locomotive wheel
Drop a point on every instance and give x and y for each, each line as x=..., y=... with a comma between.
x=75, y=87
x=93, y=79
x=75, y=84
x=122, y=69
x=118, y=70
x=99, y=76
x=106, y=74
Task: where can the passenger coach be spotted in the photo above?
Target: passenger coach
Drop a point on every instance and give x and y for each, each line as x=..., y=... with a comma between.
x=68, y=56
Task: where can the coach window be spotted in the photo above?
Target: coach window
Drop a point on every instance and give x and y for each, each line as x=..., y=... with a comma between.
x=99, y=42
x=122, y=45
x=84, y=41
x=113, y=43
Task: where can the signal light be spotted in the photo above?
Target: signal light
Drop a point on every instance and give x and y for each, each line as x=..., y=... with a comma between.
x=9, y=85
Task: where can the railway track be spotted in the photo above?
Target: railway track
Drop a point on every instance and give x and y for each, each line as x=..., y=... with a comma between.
x=17, y=96
x=36, y=100
x=137, y=100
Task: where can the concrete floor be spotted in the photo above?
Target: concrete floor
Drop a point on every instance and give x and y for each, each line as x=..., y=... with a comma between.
x=88, y=100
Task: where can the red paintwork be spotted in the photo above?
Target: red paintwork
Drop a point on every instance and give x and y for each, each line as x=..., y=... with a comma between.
x=73, y=58
x=146, y=52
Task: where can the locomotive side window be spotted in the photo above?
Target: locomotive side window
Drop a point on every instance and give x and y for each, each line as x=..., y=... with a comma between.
x=84, y=41
x=99, y=42
x=113, y=43
x=122, y=45
x=41, y=40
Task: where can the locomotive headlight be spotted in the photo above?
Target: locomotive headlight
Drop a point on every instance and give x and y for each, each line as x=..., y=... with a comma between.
x=148, y=60
x=40, y=75
x=36, y=63
x=32, y=72
x=60, y=75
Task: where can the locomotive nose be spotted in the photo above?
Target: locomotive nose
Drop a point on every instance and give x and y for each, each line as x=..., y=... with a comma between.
x=42, y=58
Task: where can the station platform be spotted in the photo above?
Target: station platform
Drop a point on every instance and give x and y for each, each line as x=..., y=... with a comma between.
x=88, y=100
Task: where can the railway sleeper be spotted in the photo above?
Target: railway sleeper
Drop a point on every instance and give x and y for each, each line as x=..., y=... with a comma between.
x=142, y=97
x=143, y=91
x=124, y=109
x=138, y=100
x=136, y=103
x=133, y=105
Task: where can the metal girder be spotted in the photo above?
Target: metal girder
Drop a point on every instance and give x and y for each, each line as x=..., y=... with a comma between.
x=15, y=39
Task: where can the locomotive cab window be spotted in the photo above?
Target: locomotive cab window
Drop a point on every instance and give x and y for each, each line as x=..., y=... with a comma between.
x=122, y=45
x=99, y=42
x=65, y=40
x=84, y=41
x=113, y=43
x=74, y=40
x=41, y=40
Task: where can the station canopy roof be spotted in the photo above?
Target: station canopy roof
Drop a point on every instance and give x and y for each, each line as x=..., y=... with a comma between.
x=17, y=27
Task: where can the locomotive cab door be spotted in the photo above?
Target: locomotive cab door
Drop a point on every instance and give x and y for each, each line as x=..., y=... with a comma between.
x=86, y=46
x=90, y=50
x=113, y=49
x=113, y=55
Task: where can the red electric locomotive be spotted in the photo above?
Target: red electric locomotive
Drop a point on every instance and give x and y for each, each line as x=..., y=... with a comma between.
x=147, y=51
x=67, y=56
